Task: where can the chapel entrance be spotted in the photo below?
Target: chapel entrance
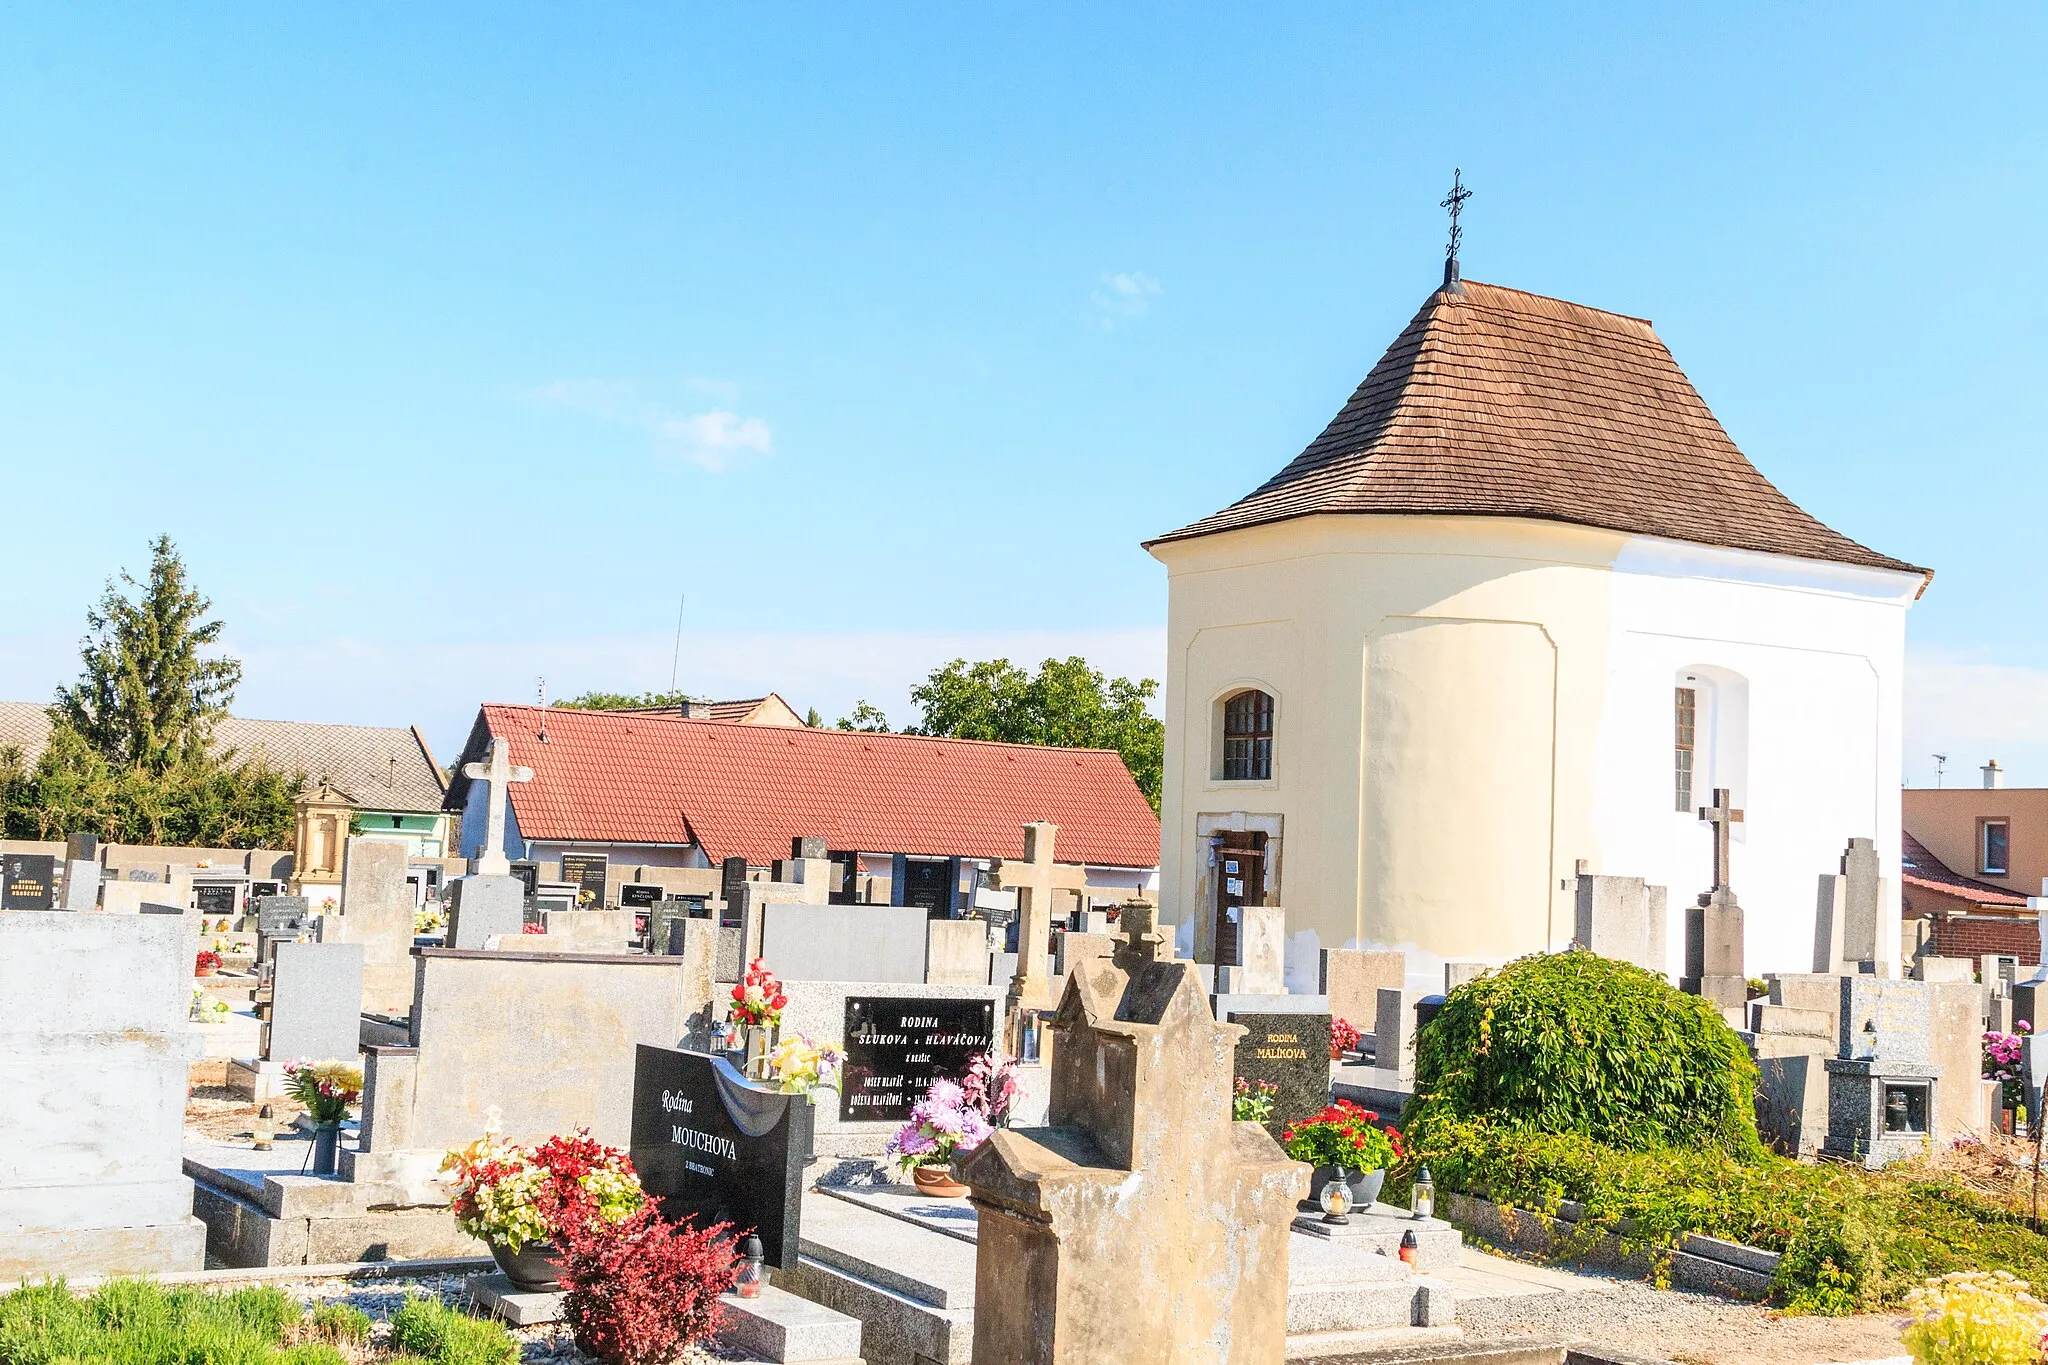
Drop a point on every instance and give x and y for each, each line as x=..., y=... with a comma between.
x=1240, y=880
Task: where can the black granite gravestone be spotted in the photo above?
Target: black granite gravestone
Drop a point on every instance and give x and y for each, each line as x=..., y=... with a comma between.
x=897, y=1046
x=529, y=876
x=218, y=898
x=732, y=875
x=30, y=881
x=585, y=871
x=1292, y=1051
x=711, y=1146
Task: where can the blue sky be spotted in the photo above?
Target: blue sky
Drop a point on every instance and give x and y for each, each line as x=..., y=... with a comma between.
x=452, y=343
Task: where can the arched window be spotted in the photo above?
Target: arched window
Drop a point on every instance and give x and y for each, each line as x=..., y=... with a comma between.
x=1248, y=737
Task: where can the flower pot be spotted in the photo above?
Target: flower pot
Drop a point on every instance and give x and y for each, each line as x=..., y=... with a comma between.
x=1365, y=1186
x=207, y=970
x=938, y=1182
x=326, y=1147
x=532, y=1268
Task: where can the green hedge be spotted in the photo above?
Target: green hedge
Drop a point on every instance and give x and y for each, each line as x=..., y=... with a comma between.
x=1852, y=1240
x=1575, y=1043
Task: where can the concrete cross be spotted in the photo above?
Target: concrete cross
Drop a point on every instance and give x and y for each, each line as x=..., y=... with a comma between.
x=490, y=859
x=1723, y=819
x=1034, y=878
x=1141, y=937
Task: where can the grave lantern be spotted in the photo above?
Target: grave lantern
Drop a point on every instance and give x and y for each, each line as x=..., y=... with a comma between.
x=1422, y=1195
x=1336, y=1200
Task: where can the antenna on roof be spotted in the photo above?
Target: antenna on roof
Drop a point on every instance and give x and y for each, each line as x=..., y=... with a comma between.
x=1940, y=761
x=540, y=691
x=676, y=660
x=1454, y=201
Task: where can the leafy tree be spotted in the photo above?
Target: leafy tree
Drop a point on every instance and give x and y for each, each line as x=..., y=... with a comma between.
x=625, y=701
x=867, y=718
x=1065, y=703
x=147, y=698
x=203, y=802
x=813, y=719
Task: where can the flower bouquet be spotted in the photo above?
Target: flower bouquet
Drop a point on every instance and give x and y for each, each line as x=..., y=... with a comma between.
x=799, y=1066
x=1253, y=1101
x=991, y=1088
x=327, y=1090
x=757, y=1002
x=2002, y=1063
x=206, y=963
x=942, y=1126
x=1343, y=1143
x=518, y=1200
x=1344, y=1039
x=207, y=1009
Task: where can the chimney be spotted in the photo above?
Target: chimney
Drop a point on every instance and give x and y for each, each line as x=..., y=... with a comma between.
x=1994, y=776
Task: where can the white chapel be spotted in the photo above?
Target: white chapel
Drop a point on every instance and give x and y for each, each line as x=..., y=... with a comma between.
x=1521, y=607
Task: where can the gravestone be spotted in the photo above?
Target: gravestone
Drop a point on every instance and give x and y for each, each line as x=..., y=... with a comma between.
x=376, y=911
x=956, y=952
x=586, y=872
x=732, y=879
x=1929, y=967
x=1290, y=1051
x=1862, y=908
x=1393, y=1033
x=1883, y=1084
x=1621, y=918
x=897, y=1046
x=710, y=1145
x=1457, y=974
x=842, y=942
x=1036, y=878
x=1352, y=979
x=282, y=916
x=28, y=881
x=1071, y=948
x=1142, y=1225
x=1713, y=927
x=495, y=772
x=484, y=906
x=316, y=1003
x=81, y=872
x=1257, y=957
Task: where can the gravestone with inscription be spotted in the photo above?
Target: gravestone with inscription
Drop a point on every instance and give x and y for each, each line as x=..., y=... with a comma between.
x=28, y=881
x=585, y=871
x=897, y=1046
x=713, y=1146
x=217, y=898
x=1291, y=1051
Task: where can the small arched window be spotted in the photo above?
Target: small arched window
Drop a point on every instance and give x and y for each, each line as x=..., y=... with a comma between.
x=1248, y=737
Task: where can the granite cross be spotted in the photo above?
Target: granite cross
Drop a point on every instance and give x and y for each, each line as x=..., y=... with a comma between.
x=1722, y=818
x=490, y=859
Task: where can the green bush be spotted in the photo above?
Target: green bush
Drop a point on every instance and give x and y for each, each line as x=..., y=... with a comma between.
x=1852, y=1240
x=429, y=1328
x=135, y=1322
x=1576, y=1043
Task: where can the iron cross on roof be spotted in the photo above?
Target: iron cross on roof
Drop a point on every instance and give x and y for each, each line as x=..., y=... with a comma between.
x=1454, y=201
x=1723, y=818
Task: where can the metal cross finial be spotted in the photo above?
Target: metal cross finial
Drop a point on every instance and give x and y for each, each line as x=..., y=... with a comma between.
x=1454, y=201
x=1723, y=819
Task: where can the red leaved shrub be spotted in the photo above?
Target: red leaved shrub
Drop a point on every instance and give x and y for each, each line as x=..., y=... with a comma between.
x=638, y=1292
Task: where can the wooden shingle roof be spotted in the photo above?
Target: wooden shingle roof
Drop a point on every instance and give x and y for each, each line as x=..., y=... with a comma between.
x=1498, y=403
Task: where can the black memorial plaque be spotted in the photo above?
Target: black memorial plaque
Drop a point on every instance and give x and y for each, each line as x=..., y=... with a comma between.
x=638, y=895
x=217, y=899
x=1291, y=1051
x=896, y=1046
x=30, y=881
x=529, y=876
x=711, y=1146
x=585, y=871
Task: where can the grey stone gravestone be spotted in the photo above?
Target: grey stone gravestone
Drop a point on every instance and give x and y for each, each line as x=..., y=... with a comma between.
x=1621, y=918
x=1830, y=914
x=710, y=1145
x=81, y=872
x=1863, y=896
x=482, y=907
x=316, y=1002
x=1394, y=1025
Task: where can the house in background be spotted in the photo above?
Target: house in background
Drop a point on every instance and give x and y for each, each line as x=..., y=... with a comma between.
x=616, y=790
x=768, y=710
x=1973, y=855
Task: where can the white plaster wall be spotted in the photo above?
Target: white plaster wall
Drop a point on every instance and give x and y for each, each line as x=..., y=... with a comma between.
x=1413, y=659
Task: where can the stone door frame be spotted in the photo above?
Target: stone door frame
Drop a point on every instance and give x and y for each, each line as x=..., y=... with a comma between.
x=1208, y=825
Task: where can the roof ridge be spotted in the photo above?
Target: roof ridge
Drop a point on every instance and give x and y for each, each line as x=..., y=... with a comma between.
x=1552, y=298
x=834, y=733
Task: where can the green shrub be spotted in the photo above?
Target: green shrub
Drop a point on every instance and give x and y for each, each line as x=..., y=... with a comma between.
x=136, y=1322
x=338, y=1322
x=311, y=1353
x=1851, y=1240
x=1575, y=1043
x=427, y=1327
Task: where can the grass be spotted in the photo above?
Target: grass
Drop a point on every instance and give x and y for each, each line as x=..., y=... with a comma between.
x=136, y=1322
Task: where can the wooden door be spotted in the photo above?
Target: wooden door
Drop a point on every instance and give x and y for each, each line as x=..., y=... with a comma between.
x=1240, y=880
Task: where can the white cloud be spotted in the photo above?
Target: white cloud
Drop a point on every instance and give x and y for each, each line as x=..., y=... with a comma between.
x=710, y=440
x=1125, y=296
x=1973, y=710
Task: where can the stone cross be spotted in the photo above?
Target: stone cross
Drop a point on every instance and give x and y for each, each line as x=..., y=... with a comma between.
x=1034, y=879
x=490, y=859
x=1141, y=939
x=1722, y=817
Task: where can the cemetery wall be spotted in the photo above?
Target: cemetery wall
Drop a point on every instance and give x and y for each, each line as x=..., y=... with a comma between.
x=1518, y=676
x=1975, y=936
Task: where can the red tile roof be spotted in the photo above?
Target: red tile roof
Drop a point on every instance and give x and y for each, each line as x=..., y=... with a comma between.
x=1918, y=867
x=1498, y=403
x=746, y=790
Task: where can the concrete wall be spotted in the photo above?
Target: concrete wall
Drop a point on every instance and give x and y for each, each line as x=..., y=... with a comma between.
x=94, y=1052
x=845, y=942
x=1466, y=707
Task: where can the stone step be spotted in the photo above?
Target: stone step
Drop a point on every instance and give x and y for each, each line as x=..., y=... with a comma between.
x=1350, y=1308
x=896, y=1329
x=1379, y=1342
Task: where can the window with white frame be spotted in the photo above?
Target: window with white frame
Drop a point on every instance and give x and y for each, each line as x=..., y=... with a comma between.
x=1994, y=848
x=1684, y=739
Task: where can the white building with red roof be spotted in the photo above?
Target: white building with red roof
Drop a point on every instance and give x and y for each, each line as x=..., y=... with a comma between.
x=664, y=790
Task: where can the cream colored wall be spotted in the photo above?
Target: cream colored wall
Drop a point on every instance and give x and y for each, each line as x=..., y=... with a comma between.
x=1946, y=821
x=1468, y=707
x=1450, y=644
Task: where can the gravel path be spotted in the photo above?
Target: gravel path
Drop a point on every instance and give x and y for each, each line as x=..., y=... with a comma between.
x=1694, y=1329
